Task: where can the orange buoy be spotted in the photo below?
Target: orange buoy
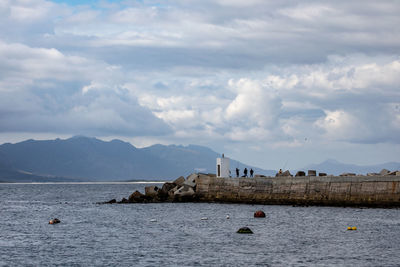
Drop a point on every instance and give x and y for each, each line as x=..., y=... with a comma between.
x=54, y=221
x=259, y=214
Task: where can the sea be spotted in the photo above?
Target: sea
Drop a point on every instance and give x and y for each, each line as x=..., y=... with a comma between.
x=183, y=234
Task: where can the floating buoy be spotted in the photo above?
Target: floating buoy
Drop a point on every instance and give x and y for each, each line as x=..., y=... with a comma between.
x=351, y=228
x=259, y=214
x=227, y=216
x=204, y=219
x=244, y=230
x=54, y=221
x=153, y=220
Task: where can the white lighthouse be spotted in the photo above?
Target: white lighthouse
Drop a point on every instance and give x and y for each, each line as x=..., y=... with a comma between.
x=223, y=167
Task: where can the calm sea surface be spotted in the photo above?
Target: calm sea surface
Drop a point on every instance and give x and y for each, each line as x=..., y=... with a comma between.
x=126, y=235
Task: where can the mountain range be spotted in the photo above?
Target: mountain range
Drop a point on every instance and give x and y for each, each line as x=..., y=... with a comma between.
x=83, y=158
x=90, y=159
x=335, y=167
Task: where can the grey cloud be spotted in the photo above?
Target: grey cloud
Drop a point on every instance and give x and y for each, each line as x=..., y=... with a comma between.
x=92, y=114
x=232, y=37
x=146, y=68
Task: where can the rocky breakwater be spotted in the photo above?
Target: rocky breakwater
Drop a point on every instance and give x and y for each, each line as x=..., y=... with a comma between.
x=378, y=190
x=180, y=190
x=375, y=190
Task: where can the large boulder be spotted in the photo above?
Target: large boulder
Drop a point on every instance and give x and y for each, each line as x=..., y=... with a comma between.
x=284, y=174
x=184, y=191
x=300, y=173
x=384, y=172
x=151, y=191
x=166, y=187
x=346, y=174
x=136, y=197
x=162, y=194
x=171, y=193
x=124, y=201
x=312, y=173
x=191, y=180
x=179, y=181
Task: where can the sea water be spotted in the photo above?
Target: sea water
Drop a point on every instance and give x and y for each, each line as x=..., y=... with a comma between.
x=177, y=234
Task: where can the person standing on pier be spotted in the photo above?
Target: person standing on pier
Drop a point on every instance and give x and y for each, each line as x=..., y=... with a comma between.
x=251, y=172
x=245, y=172
x=237, y=172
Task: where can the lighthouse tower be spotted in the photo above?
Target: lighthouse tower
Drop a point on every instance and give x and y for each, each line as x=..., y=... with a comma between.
x=223, y=167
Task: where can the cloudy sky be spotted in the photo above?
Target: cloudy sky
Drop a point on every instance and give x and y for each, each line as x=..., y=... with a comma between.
x=270, y=83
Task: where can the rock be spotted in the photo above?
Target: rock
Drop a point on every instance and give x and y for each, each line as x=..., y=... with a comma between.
x=396, y=173
x=179, y=181
x=300, y=173
x=284, y=174
x=136, y=197
x=171, y=193
x=287, y=173
x=124, y=200
x=166, y=187
x=372, y=174
x=312, y=173
x=151, y=191
x=191, y=180
x=384, y=172
x=112, y=201
x=164, y=191
x=259, y=214
x=259, y=176
x=184, y=191
x=244, y=230
x=347, y=174
x=322, y=174
x=54, y=221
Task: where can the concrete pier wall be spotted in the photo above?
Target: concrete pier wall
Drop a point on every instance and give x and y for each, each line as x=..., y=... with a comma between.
x=373, y=191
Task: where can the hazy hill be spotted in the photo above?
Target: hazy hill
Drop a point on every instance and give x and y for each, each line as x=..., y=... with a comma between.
x=9, y=174
x=335, y=167
x=93, y=159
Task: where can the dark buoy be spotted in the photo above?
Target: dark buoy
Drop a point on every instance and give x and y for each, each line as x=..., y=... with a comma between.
x=54, y=221
x=244, y=230
x=259, y=214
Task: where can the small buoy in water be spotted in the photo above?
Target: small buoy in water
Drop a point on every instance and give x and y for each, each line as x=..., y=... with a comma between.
x=204, y=219
x=350, y=228
x=244, y=230
x=153, y=220
x=227, y=216
x=259, y=214
x=54, y=221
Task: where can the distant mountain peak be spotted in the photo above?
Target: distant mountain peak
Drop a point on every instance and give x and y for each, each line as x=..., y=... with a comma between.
x=80, y=137
x=331, y=161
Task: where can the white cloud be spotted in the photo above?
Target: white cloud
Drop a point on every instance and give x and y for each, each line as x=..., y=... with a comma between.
x=256, y=74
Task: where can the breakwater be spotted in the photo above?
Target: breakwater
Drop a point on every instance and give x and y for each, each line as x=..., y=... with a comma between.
x=371, y=191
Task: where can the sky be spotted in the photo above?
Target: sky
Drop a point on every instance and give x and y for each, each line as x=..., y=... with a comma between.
x=274, y=84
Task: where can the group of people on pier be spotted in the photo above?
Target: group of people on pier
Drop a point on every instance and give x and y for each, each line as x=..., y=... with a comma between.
x=244, y=172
